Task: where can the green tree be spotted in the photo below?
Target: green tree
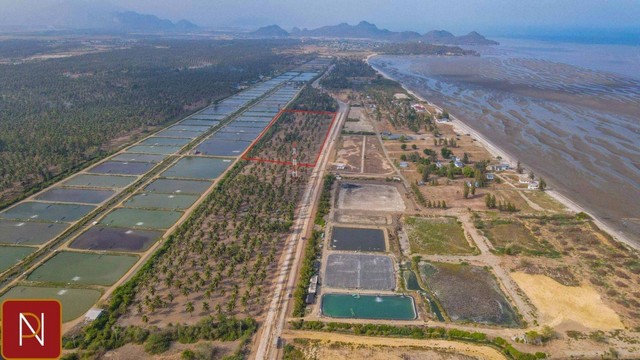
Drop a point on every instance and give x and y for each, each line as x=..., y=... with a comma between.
x=542, y=185
x=190, y=308
x=446, y=153
x=465, y=190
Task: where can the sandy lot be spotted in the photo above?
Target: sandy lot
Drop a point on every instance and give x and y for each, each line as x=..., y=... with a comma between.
x=370, y=197
x=468, y=350
x=558, y=303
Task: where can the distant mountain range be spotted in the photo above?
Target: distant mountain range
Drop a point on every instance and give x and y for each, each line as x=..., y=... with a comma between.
x=85, y=15
x=133, y=21
x=366, y=30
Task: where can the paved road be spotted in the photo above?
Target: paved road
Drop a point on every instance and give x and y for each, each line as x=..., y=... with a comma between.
x=276, y=314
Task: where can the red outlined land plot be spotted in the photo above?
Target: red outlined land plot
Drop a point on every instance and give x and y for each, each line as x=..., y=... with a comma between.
x=305, y=130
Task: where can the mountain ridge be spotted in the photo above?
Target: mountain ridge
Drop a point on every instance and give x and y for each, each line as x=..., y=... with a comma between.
x=367, y=30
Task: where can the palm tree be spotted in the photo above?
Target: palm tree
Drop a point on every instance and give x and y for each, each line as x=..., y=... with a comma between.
x=189, y=308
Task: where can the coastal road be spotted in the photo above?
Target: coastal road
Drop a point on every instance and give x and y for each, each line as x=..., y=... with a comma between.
x=285, y=285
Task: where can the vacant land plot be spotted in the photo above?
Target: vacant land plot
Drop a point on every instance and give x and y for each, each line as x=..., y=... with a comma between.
x=350, y=153
x=75, y=302
x=100, y=181
x=197, y=168
x=83, y=268
x=469, y=293
x=513, y=237
x=374, y=348
x=116, y=239
x=371, y=197
x=558, y=303
x=172, y=186
x=75, y=195
x=359, y=271
x=161, y=201
x=31, y=210
x=357, y=239
x=141, y=219
x=441, y=236
x=11, y=255
x=29, y=233
x=374, y=160
x=122, y=168
x=305, y=131
x=355, y=306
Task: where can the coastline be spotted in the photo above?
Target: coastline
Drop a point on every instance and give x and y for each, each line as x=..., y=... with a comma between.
x=494, y=150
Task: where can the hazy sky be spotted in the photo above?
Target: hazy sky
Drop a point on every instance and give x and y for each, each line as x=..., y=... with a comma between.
x=490, y=16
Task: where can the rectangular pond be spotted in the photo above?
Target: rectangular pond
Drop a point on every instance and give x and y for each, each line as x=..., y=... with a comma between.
x=242, y=137
x=469, y=293
x=356, y=306
x=75, y=302
x=29, y=233
x=161, y=201
x=165, y=141
x=76, y=195
x=11, y=255
x=101, y=181
x=173, y=186
x=197, y=168
x=122, y=168
x=152, y=158
x=199, y=122
x=224, y=147
x=31, y=210
x=83, y=268
x=359, y=271
x=141, y=219
x=357, y=239
x=152, y=149
x=116, y=239
x=179, y=134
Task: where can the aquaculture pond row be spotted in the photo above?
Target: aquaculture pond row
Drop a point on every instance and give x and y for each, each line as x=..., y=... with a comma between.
x=143, y=218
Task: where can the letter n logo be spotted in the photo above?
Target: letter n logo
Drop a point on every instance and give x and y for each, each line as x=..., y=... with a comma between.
x=31, y=329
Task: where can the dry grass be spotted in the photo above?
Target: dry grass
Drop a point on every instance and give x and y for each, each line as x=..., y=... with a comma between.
x=439, y=236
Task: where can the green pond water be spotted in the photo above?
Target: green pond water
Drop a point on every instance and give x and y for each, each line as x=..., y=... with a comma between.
x=387, y=307
x=75, y=302
x=411, y=281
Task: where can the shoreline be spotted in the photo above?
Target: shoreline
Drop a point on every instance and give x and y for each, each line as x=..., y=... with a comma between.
x=494, y=150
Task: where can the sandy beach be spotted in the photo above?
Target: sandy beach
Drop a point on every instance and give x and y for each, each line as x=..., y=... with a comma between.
x=496, y=151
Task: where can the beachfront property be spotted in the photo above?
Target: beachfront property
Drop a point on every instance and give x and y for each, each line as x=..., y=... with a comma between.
x=499, y=167
x=533, y=185
x=419, y=108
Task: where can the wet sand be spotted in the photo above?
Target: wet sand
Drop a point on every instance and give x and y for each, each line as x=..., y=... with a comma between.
x=577, y=128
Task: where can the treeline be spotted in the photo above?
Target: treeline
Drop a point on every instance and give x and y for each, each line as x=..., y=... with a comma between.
x=157, y=341
x=344, y=71
x=420, y=48
x=59, y=113
x=313, y=99
x=311, y=252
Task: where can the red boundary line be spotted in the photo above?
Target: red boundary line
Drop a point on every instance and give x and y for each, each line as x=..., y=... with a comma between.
x=275, y=118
